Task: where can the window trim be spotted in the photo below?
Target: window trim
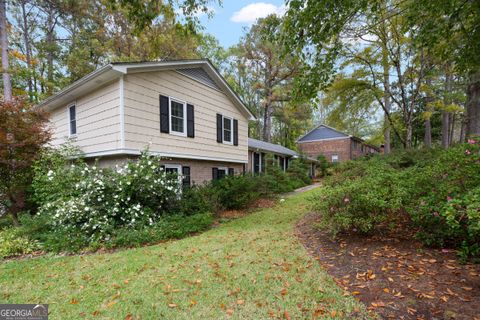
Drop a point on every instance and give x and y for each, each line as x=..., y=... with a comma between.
x=260, y=169
x=225, y=169
x=69, y=106
x=337, y=158
x=179, y=170
x=231, y=130
x=184, y=103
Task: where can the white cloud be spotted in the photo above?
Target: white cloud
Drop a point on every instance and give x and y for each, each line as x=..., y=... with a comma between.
x=250, y=13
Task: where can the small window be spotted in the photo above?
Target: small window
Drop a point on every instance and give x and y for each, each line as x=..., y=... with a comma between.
x=222, y=172
x=335, y=158
x=227, y=130
x=73, y=119
x=177, y=117
x=174, y=169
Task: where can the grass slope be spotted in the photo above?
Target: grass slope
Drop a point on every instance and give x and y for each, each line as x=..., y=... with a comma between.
x=250, y=268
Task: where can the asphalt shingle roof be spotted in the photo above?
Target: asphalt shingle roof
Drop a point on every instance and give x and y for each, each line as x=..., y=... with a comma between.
x=270, y=147
x=323, y=132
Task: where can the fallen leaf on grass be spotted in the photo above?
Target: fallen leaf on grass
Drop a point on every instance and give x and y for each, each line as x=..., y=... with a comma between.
x=240, y=302
x=128, y=317
x=111, y=304
x=74, y=301
x=411, y=310
x=286, y=315
x=378, y=304
x=467, y=288
x=283, y=292
x=229, y=312
x=172, y=305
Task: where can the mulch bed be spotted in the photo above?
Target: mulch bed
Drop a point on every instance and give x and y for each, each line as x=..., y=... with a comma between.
x=396, y=278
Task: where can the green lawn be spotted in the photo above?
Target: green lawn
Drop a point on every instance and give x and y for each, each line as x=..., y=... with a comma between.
x=249, y=268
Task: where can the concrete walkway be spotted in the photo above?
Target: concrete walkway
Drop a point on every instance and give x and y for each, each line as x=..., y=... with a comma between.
x=303, y=189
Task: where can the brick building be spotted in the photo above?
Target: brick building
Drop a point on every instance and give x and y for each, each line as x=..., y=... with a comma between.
x=335, y=145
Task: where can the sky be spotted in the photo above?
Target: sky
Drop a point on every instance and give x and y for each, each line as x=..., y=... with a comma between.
x=230, y=19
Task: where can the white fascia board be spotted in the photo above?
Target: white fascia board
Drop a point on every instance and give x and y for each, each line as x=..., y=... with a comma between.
x=135, y=152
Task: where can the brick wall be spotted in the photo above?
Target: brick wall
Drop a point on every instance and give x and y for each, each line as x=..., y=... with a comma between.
x=328, y=148
x=200, y=170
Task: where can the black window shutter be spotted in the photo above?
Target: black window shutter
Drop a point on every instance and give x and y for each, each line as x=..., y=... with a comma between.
x=190, y=121
x=235, y=132
x=214, y=173
x=186, y=176
x=231, y=171
x=164, y=121
x=219, y=128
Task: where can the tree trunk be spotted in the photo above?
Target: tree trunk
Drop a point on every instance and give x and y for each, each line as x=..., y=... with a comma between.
x=462, y=130
x=267, y=122
x=50, y=48
x=451, y=121
x=473, y=106
x=409, y=134
x=445, y=114
x=427, y=139
x=386, y=98
x=28, y=50
x=7, y=83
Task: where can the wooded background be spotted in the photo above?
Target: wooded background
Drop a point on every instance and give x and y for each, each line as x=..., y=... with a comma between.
x=402, y=73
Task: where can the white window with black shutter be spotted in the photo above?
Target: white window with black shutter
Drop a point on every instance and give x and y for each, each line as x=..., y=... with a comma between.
x=72, y=120
x=227, y=130
x=177, y=117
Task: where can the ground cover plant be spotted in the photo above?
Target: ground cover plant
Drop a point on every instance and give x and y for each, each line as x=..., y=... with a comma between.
x=435, y=192
x=248, y=268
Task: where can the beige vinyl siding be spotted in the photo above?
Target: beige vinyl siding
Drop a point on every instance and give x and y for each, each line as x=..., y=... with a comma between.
x=142, y=117
x=98, y=120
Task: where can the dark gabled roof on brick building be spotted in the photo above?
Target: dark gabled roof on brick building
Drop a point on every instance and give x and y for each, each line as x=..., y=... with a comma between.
x=323, y=132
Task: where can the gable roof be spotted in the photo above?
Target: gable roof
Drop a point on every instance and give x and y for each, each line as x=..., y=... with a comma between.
x=322, y=132
x=209, y=75
x=270, y=147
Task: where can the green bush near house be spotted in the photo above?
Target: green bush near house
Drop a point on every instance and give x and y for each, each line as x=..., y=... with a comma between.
x=322, y=165
x=298, y=170
x=433, y=192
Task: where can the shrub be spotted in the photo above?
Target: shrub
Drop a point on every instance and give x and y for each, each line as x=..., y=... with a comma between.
x=12, y=243
x=298, y=169
x=95, y=201
x=236, y=192
x=363, y=203
x=437, y=189
x=23, y=133
x=322, y=165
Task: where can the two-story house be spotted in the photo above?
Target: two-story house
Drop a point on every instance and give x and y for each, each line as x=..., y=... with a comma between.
x=183, y=111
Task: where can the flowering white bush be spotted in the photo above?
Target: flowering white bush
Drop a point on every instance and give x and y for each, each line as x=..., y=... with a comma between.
x=95, y=201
